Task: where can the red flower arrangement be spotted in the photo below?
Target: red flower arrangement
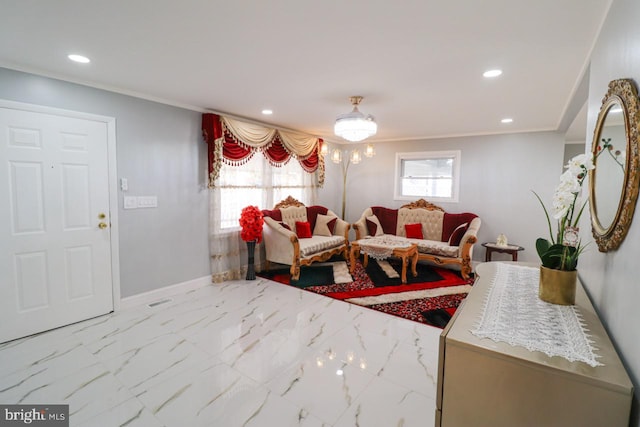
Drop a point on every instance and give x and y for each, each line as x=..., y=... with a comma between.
x=251, y=222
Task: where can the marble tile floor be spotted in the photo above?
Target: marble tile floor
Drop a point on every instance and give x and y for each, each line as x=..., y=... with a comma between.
x=241, y=353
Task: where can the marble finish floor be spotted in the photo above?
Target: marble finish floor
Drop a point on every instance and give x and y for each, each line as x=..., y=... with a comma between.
x=241, y=353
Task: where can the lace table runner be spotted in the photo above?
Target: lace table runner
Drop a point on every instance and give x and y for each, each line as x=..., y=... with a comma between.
x=514, y=314
x=381, y=247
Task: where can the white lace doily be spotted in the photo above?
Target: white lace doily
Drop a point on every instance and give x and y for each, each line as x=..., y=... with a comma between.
x=514, y=314
x=381, y=247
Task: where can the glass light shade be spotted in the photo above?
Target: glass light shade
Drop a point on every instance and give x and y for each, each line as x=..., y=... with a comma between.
x=369, y=151
x=355, y=157
x=336, y=156
x=355, y=126
x=324, y=150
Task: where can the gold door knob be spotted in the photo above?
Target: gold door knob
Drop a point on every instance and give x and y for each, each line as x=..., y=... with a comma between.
x=101, y=216
x=102, y=225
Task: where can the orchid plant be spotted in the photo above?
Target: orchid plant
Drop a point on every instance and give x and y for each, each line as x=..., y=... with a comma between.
x=562, y=251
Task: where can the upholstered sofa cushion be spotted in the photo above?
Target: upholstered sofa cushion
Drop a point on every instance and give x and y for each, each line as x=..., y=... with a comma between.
x=433, y=247
x=317, y=244
x=388, y=218
x=451, y=221
x=431, y=222
x=414, y=231
x=374, y=226
x=303, y=229
x=456, y=236
x=324, y=225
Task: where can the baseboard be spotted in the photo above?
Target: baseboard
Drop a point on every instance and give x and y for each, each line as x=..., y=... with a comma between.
x=158, y=294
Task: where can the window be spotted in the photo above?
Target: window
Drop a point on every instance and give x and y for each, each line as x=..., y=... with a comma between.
x=260, y=184
x=433, y=175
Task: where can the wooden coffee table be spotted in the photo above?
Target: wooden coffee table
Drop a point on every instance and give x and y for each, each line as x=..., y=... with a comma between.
x=405, y=253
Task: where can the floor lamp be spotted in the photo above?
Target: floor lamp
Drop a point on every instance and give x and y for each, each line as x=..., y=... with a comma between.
x=345, y=158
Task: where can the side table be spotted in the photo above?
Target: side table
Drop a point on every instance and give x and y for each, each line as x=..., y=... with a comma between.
x=492, y=247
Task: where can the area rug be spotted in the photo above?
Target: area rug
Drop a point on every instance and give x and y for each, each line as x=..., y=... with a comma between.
x=430, y=298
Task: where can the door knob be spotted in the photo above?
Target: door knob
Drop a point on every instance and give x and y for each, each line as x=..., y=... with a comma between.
x=102, y=225
x=101, y=216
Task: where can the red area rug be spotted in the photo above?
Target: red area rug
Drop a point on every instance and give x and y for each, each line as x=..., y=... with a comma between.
x=431, y=298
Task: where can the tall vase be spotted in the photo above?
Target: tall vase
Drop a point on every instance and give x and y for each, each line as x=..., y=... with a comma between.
x=251, y=269
x=557, y=286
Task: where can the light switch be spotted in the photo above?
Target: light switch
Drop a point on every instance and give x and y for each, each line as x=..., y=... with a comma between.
x=130, y=202
x=124, y=184
x=148, y=201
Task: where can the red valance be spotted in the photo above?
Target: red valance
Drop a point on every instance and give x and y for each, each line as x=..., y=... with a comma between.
x=226, y=146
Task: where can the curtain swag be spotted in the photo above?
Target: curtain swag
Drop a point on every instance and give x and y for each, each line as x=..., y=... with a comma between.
x=234, y=143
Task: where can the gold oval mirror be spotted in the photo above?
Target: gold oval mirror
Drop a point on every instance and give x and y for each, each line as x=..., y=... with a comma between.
x=613, y=184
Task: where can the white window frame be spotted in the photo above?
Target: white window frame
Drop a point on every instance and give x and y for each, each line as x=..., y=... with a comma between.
x=266, y=189
x=455, y=184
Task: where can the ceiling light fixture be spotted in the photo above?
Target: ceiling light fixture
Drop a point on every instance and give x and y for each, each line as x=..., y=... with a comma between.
x=267, y=112
x=492, y=73
x=79, y=58
x=506, y=120
x=355, y=126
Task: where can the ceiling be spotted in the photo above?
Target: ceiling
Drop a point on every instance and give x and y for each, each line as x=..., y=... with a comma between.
x=418, y=64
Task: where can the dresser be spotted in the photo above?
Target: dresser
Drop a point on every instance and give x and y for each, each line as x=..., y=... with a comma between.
x=482, y=382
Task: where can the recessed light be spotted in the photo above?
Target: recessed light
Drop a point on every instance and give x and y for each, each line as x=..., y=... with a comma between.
x=267, y=112
x=506, y=120
x=79, y=58
x=492, y=73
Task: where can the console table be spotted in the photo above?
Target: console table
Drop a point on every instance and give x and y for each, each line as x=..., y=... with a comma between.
x=486, y=383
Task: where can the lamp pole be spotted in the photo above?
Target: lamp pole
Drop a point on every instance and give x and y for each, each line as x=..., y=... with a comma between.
x=345, y=159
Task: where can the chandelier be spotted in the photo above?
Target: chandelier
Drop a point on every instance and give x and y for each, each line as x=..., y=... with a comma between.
x=355, y=126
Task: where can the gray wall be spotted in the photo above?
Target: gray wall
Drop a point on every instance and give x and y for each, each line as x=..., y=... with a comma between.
x=497, y=175
x=611, y=279
x=160, y=151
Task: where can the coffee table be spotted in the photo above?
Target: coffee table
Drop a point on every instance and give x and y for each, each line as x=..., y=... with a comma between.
x=383, y=247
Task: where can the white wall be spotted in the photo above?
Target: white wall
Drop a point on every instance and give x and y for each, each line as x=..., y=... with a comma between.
x=612, y=279
x=497, y=175
x=160, y=151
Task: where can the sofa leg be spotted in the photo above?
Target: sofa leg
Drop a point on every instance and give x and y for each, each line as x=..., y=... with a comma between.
x=267, y=265
x=295, y=272
x=465, y=270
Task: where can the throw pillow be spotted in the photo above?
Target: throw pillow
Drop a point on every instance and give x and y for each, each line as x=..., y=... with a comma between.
x=414, y=231
x=325, y=225
x=303, y=230
x=373, y=226
x=457, y=234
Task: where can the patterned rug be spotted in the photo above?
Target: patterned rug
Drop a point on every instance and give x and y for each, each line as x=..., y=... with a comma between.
x=431, y=298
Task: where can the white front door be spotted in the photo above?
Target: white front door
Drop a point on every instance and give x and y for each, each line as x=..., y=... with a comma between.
x=55, y=250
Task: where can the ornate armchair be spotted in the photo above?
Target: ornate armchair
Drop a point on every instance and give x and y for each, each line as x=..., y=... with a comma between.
x=296, y=235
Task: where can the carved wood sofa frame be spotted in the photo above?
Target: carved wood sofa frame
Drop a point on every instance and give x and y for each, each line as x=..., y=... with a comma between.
x=274, y=231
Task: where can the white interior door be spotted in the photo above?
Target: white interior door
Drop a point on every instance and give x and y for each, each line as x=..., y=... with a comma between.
x=55, y=259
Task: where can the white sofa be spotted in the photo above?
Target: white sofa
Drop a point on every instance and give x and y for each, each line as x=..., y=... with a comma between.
x=447, y=239
x=282, y=244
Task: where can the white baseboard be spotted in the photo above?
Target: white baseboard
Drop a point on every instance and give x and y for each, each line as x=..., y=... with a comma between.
x=158, y=294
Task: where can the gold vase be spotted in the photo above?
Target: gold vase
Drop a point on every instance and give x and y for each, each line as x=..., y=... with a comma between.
x=558, y=286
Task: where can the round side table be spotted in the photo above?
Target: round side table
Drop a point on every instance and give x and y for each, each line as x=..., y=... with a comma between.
x=492, y=247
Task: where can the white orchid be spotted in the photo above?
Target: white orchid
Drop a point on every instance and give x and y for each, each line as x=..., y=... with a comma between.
x=560, y=253
x=579, y=164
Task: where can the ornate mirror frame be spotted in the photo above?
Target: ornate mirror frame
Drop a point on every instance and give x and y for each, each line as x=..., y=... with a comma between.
x=624, y=93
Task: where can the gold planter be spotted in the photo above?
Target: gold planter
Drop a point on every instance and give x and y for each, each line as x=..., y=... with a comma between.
x=558, y=286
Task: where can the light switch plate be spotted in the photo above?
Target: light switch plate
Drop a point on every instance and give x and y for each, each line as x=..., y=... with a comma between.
x=124, y=184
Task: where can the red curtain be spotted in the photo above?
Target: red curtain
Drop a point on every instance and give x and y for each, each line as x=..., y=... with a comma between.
x=235, y=152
